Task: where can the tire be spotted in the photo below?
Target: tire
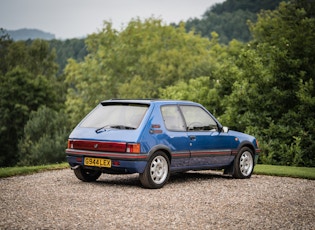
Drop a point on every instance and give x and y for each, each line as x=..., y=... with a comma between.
x=87, y=175
x=243, y=164
x=157, y=171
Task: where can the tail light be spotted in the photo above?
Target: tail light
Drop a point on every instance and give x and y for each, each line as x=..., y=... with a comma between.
x=70, y=145
x=133, y=148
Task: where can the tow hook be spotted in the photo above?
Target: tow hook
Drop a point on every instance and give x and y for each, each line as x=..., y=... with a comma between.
x=75, y=167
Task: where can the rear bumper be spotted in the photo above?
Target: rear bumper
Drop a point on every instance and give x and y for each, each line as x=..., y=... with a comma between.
x=130, y=164
x=107, y=155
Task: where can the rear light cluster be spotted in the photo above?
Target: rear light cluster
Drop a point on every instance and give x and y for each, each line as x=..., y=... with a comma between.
x=120, y=147
x=133, y=148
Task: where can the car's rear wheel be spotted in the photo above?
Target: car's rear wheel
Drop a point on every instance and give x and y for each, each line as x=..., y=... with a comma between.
x=157, y=171
x=243, y=164
x=87, y=175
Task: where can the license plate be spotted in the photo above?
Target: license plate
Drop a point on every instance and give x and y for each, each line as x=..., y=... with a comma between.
x=98, y=162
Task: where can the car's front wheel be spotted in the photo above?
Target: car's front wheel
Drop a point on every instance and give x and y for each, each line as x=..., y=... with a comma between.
x=157, y=171
x=243, y=164
x=87, y=175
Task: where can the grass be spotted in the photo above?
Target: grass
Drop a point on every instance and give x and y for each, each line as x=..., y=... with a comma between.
x=272, y=170
x=285, y=171
x=25, y=170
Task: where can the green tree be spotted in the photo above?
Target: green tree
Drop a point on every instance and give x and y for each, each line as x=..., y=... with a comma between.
x=229, y=25
x=273, y=96
x=5, y=42
x=254, y=6
x=201, y=90
x=230, y=18
x=27, y=81
x=136, y=88
x=135, y=62
x=44, y=139
x=65, y=49
x=35, y=57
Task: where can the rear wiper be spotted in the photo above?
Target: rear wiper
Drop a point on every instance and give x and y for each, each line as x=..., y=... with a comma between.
x=103, y=129
x=121, y=127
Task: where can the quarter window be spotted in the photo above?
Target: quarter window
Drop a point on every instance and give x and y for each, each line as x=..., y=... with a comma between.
x=172, y=118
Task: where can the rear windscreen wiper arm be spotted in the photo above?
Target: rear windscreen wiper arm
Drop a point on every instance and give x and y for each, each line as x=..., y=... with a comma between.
x=102, y=129
x=121, y=127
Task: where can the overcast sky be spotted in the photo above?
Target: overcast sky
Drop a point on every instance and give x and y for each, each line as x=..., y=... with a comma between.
x=77, y=18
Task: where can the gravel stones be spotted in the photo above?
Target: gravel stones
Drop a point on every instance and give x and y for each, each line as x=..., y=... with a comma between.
x=193, y=200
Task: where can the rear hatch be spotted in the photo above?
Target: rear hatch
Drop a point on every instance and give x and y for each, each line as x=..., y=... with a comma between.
x=119, y=121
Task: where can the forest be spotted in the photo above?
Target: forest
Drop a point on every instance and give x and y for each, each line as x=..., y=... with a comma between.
x=262, y=84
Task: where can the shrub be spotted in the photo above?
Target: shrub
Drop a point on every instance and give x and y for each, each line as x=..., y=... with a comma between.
x=45, y=138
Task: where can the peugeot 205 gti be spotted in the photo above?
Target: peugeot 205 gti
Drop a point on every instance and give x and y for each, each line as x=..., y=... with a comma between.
x=155, y=138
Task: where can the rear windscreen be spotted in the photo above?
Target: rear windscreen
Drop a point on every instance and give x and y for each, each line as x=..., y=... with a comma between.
x=123, y=116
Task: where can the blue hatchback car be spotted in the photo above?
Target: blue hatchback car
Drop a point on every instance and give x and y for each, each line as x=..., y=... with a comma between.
x=155, y=138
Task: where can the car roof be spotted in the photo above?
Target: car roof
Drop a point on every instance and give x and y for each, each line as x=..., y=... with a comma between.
x=147, y=101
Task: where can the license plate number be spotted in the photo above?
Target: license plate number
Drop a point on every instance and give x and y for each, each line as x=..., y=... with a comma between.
x=98, y=162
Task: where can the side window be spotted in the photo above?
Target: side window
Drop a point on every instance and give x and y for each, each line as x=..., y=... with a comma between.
x=172, y=118
x=197, y=119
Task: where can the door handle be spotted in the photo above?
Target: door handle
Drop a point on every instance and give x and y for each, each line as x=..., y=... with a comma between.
x=192, y=137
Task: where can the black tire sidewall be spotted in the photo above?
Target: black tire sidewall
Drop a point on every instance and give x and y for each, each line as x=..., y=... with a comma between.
x=145, y=177
x=236, y=166
x=87, y=175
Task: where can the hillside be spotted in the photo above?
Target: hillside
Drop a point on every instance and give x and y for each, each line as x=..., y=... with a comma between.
x=230, y=18
x=25, y=34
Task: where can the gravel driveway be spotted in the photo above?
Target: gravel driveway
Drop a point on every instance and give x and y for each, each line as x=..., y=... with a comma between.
x=194, y=200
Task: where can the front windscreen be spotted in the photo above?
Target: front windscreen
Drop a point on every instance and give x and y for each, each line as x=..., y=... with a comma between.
x=119, y=116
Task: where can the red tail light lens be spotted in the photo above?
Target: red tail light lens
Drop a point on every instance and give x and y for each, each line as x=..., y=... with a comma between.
x=133, y=148
x=69, y=145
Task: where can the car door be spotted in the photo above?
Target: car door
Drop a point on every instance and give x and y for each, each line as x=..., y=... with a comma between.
x=175, y=136
x=208, y=145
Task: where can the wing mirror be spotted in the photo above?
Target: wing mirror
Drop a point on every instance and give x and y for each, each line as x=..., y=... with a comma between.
x=225, y=129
